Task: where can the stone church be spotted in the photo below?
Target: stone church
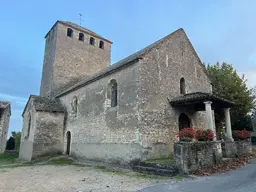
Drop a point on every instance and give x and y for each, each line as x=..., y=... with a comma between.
x=118, y=113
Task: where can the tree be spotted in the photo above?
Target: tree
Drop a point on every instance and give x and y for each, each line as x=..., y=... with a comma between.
x=254, y=111
x=16, y=136
x=227, y=84
x=10, y=145
x=243, y=123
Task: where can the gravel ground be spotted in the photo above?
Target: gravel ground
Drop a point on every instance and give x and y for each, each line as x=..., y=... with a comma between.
x=52, y=178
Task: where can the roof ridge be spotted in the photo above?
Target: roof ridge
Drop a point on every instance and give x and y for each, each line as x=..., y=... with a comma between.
x=120, y=63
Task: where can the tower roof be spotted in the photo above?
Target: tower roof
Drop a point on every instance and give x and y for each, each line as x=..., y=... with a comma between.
x=79, y=28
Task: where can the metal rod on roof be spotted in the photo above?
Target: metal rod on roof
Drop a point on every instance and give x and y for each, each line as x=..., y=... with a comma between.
x=80, y=18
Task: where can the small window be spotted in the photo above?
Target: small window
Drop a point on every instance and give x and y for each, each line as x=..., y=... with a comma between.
x=69, y=32
x=29, y=125
x=92, y=41
x=101, y=45
x=81, y=37
x=182, y=86
x=113, y=92
x=74, y=104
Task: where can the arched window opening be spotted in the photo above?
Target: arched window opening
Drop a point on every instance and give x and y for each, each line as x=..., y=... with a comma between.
x=182, y=86
x=113, y=92
x=69, y=32
x=101, y=45
x=81, y=37
x=184, y=121
x=74, y=104
x=92, y=41
x=29, y=125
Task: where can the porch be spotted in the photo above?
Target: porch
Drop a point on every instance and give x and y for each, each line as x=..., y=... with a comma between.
x=207, y=102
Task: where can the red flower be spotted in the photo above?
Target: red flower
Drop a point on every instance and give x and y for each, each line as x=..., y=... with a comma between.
x=241, y=135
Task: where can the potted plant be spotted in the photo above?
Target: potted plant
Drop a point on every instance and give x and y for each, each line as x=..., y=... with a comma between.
x=241, y=135
x=187, y=134
x=204, y=135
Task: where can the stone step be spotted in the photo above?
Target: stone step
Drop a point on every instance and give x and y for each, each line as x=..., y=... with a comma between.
x=155, y=171
x=158, y=165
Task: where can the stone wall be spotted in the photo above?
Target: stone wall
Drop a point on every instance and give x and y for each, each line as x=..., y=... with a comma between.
x=99, y=131
x=68, y=60
x=45, y=136
x=48, y=137
x=48, y=63
x=27, y=137
x=143, y=124
x=161, y=69
x=191, y=156
x=4, y=125
x=237, y=148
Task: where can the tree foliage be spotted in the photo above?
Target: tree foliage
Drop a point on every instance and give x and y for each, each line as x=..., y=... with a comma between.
x=229, y=85
x=10, y=145
x=254, y=111
x=16, y=136
x=243, y=123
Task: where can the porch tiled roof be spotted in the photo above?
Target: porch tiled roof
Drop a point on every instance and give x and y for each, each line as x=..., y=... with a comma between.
x=45, y=104
x=199, y=97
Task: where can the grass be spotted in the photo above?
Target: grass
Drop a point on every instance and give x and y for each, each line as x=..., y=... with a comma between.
x=61, y=161
x=161, y=161
x=9, y=161
x=6, y=159
x=100, y=167
x=178, y=177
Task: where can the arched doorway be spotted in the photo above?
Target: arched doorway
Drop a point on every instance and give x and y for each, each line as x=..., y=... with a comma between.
x=68, y=142
x=184, y=121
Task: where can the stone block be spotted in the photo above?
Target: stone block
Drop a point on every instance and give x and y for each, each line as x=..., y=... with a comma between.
x=243, y=148
x=190, y=156
x=229, y=148
x=237, y=148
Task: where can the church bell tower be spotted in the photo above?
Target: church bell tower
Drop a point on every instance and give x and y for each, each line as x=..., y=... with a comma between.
x=71, y=53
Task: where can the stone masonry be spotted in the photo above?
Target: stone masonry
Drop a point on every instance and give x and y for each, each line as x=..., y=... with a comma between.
x=42, y=131
x=142, y=125
x=5, y=113
x=68, y=60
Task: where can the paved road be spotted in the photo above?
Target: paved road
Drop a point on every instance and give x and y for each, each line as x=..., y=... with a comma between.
x=241, y=180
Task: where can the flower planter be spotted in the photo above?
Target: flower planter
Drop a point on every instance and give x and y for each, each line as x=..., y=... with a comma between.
x=191, y=156
x=243, y=147
x=237, y=148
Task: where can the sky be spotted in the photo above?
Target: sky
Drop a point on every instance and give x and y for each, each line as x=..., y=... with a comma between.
x=220, y=31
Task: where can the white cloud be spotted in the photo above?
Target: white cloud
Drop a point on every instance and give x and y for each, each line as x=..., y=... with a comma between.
x=21, y=101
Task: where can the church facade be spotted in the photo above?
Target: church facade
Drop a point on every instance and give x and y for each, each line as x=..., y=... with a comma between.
x=118, y=113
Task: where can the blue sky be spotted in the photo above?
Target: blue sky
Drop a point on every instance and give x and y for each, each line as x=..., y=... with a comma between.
x=219, y=30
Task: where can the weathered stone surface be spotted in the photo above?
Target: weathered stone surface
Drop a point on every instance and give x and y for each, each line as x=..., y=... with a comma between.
x=160, y=72
x=68, y=60
x=237, y=148
x=5, y=113
x=143, y=124
x=42, y=132
x=99, y=131
x=190, y=156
